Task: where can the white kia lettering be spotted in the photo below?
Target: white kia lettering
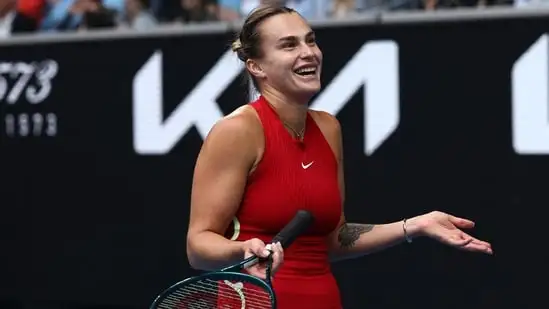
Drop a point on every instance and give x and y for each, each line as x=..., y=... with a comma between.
x=530, y=123
x=375, y=65
x=153, y=134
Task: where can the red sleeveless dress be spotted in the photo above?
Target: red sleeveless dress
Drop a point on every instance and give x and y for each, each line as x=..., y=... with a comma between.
x=294, y=175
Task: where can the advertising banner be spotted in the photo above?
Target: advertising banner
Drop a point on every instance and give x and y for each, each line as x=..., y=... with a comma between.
x=99, y=140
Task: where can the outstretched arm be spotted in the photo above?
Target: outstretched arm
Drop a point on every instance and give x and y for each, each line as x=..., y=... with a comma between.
x=351, y=240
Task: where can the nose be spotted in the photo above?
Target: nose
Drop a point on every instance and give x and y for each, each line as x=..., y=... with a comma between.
x=306, y=51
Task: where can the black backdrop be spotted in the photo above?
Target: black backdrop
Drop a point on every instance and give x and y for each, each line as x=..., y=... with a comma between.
x=86, y=221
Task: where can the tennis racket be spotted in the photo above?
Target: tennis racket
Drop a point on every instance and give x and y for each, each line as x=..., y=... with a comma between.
x=229, y=288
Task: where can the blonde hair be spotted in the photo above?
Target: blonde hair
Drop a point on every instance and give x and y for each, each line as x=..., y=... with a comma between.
x=248, y=42
x=236, y=45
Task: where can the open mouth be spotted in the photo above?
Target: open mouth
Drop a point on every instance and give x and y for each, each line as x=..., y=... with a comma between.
x=305, y=71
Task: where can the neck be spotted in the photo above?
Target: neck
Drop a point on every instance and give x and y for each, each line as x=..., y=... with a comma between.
x=292, y=112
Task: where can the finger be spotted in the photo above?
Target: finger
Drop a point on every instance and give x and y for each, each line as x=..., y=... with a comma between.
x=280, y=253
x=268, y=250
x=459, y=239
x=481, y=242
x=461, y=222
x=279, y=245
x=277, y=261
x=478, y=247
x=277, y=248
x=259, y=249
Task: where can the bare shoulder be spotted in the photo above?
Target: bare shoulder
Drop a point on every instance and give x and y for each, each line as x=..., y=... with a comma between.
x=326, y=121
x=246, y=113
x=328, y=124
x=237, y=128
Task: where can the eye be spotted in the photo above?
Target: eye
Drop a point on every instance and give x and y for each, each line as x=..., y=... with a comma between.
x=311, y=40
x=288, y=45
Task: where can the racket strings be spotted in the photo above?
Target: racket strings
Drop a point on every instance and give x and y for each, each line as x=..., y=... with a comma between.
x=211, y=294
x=217, y=300
x=219, y=288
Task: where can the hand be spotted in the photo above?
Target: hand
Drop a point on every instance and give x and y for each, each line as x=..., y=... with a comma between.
x=447, y=229
x=257, y=247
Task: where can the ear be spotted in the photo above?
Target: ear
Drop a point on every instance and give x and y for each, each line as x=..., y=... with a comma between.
x=255, y=69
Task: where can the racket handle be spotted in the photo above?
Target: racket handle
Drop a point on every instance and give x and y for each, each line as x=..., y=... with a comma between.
x=301, y=221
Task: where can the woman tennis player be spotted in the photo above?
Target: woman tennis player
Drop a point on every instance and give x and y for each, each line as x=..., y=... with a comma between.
x=273, y=156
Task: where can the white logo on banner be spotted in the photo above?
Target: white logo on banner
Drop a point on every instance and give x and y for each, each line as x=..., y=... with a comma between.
x=375, y=65
x=530, y=86
x=23, y=83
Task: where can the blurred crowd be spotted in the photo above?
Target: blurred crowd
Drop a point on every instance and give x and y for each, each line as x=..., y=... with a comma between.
x=24, y=16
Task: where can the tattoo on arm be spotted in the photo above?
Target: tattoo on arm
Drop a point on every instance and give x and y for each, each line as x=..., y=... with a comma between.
x=349, y=233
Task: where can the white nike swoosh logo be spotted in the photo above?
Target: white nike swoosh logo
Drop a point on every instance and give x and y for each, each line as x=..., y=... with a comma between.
x=306, y=166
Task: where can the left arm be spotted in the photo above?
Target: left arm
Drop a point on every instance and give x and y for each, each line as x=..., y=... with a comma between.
x=350, y=240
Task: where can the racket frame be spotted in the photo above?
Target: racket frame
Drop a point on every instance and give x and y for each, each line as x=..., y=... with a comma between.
x=301, y=221
x=230, y=274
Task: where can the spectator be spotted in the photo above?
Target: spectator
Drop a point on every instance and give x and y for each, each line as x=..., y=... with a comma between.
x=138, y=16
x=342, y=8
x=310, y=9
x=118, y=6
x=247, y=6
x=97, y=16
x=192, y=11
x=70, y=14
x=13, y=21
x=57, y=12
x=87, y=14
x=32, y=8
x=229, y=10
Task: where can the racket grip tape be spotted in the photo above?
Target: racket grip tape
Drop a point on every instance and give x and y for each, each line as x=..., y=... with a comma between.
x=300, y=222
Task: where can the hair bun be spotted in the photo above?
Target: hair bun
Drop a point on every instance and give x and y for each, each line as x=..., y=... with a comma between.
x=236, y=45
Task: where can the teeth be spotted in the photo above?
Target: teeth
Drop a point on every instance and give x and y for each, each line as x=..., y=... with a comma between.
x=306, y=70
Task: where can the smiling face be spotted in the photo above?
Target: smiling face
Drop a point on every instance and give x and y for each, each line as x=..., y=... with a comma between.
x=290, y=61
